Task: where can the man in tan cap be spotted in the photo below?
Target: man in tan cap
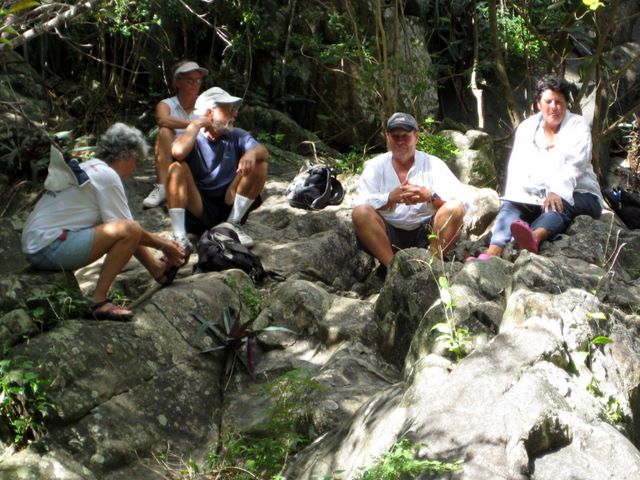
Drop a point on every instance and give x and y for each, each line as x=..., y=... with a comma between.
x=219, y=170
x=173, y=115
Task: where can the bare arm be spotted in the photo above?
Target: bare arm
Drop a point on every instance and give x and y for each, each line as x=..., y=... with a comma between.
x=170, y=248
x=248, y=161
x=165, y=120
x=185, y=142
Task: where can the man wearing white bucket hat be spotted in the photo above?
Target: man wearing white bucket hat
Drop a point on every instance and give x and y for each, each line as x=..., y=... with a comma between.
x=219, y=173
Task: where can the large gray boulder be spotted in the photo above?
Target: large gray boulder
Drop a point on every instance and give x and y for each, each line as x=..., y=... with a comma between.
x=476, y=162
x=527, y=399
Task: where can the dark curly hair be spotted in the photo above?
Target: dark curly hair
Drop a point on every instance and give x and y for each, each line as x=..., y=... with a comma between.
x=555, y=83
x=121, y=139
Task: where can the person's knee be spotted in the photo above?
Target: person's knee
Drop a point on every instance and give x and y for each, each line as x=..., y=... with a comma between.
x=362, y=214
x=451, y=212
x=177, y=173
x=133, y=230
x=165, y=136
x=123, y=230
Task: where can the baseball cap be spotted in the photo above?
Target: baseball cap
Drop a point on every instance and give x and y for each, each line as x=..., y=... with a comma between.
x=187, y=67
x=402, y=120
x=212, y=97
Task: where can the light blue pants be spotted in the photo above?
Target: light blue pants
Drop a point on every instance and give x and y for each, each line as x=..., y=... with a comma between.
x=554, y=222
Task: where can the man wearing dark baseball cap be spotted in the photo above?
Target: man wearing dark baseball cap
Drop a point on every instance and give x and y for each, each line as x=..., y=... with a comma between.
x=220, y=170
x=172, y=116
x=404, y=195
x=403, y=121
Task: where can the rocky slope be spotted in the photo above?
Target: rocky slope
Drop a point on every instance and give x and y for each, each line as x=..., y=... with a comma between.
x=521, y=403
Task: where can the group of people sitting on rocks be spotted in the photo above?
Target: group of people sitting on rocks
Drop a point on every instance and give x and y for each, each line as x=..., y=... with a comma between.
x=211, y=173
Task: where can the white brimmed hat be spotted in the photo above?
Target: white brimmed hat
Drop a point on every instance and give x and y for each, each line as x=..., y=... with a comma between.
x=187, y=67
x=212, y=97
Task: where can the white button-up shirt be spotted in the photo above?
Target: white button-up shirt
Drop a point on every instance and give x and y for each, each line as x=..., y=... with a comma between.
x=379, y=179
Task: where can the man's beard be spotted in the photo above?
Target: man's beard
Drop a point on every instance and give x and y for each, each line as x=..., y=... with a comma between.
x=222, y=128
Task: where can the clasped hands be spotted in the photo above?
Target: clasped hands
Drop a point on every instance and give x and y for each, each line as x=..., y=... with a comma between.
x=410, y=194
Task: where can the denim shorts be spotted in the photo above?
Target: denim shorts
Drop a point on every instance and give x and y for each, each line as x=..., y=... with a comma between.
x=68, y=252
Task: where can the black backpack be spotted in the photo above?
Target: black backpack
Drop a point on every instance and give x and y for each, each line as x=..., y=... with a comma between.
x=625, y=204
x=315, y=188
x=220, y=249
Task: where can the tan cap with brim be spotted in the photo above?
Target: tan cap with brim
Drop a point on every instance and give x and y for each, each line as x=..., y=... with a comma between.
x=187, y=67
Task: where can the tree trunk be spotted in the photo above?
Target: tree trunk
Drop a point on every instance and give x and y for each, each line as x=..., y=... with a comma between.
x=501, y=71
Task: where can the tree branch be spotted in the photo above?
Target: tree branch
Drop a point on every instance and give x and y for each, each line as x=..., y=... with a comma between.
x=38, y=30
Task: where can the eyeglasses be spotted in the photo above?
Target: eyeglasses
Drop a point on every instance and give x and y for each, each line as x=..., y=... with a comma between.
x=192, y=80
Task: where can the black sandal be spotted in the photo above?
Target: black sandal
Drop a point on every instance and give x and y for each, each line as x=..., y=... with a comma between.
x=166, y=278
x=113, y=312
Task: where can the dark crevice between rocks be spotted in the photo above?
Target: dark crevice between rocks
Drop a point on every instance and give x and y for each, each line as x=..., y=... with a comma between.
x=634, y=405
x=486, y=320
x=548, y=435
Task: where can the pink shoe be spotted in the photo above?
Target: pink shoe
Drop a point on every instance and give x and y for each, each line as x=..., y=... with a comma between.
x=483, y=257
x=523, y=235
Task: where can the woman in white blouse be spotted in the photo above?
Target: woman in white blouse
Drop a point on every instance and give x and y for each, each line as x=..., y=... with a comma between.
x=550, y=179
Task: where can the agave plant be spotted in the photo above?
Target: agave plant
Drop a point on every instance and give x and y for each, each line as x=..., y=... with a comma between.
x=231, y=336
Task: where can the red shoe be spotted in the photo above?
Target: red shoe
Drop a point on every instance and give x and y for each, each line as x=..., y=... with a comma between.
x=523, y=235
x=483, y=257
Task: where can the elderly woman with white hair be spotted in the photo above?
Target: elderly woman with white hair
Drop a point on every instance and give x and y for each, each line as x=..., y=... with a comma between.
x=78, y=224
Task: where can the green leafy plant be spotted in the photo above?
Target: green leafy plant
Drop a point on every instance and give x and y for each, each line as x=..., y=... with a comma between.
x=521, y=43
x=613, y=412
x=61, y=304
x=593, y=343
x=267, y=456
x=400, y=462
x=611, y=409
x=457, y=339
x=232, y=337
x=273, y=138
x=249, y=297
x=435, y=144
x=352, y=161
x=24, y=402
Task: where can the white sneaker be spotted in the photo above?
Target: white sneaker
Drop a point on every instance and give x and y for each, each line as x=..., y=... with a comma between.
x=245, y=239
x=156, y=197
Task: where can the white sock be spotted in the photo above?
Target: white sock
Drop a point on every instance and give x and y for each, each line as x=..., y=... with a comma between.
x=177, y=222
x=241, y=206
